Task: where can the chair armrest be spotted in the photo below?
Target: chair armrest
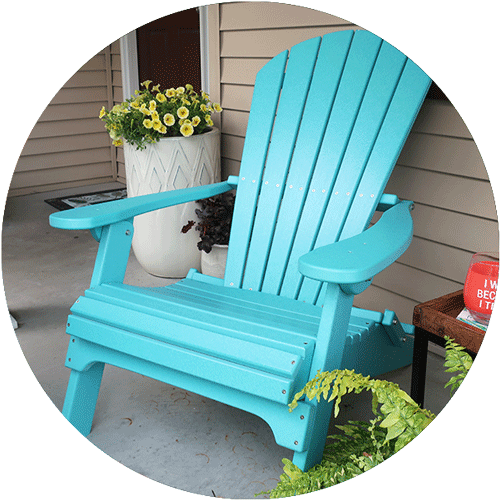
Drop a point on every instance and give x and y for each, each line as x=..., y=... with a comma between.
x=359, y=258
x=110, y=212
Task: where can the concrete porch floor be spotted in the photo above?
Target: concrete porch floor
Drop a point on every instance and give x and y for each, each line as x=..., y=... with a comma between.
x=164, y=433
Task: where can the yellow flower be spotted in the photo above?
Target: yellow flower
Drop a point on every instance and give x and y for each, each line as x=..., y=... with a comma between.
x=147, y=123
x=161, y=97
x=189, y=87
x=183, y=112
x=196, y=121
x=170, y=92
x=180, y=90
x=103, y=112
x=146, y=83
x=144, y=110
x=134, y=104
x=163, y=129
x=113, y=134
x=217, y=107
x=187, y=129
x=156, y=88
x=118, y=142
x=203, y=107
x=205, y=95
x=157, y=124
x=185, y=101
x=155, y=115
x=209, y=121
x=152, y=105
x=169, y=119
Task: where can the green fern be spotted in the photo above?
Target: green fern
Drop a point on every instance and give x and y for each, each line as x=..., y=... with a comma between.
x=456, y=361
x=363, y=445
x=399, y=414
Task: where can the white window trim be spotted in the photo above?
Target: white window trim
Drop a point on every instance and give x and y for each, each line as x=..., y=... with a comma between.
x=129, y=62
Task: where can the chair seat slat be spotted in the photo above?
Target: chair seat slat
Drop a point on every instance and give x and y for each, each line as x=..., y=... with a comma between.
x=273, y=304
x=265, y=329
x=239, y=376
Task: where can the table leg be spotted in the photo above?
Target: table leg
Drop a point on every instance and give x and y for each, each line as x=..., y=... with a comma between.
x=419, y=366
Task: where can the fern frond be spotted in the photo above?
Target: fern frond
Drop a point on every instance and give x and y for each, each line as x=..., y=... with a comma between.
x=361, y=446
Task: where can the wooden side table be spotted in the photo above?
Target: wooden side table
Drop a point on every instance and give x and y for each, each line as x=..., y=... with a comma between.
x=433, y=320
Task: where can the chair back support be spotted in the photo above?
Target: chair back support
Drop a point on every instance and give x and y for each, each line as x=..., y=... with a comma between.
x=326, y=126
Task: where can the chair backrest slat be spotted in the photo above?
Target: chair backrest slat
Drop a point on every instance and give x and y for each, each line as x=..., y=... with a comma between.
x=344, y=113
x=260, y=125
x=322, y=94
x=391, y=139
x=290, y=114
x=405, y=102
x=331, y=171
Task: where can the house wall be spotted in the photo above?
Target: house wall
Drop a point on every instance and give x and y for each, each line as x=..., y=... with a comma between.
x=69, y=146
x=439, y=168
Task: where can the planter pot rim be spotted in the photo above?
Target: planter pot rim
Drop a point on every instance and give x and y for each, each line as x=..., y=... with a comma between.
x=208, y=131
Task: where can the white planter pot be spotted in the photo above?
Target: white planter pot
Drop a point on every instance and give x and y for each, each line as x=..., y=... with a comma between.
x=172, y=163
x=214, y=263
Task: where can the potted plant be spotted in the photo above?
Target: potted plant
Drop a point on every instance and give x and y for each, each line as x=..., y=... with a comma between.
x=169, y=142
x=214, y=224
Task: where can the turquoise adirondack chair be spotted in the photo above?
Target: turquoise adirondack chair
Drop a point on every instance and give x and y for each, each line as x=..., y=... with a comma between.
x=327, y=123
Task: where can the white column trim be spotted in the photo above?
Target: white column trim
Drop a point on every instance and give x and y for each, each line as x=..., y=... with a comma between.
x=130, y=67
x=205, y=81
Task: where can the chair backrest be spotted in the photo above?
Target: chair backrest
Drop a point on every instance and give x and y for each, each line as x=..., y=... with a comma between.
x=326, y=126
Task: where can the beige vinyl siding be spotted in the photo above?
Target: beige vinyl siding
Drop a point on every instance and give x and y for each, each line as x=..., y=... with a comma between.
x=68, y=146
x=116, y=69
x=440, y=168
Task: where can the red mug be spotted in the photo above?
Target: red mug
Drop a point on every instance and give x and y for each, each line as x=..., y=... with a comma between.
x=481, y=286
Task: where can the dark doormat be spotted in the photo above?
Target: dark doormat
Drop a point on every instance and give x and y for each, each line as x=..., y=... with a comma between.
x=82, y=200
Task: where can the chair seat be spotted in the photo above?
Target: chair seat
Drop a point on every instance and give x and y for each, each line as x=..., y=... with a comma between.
x=247, y=340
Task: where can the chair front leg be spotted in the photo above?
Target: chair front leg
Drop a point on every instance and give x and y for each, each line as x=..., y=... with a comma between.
x=112, y=255
x=81, y=396
x=332, y=330
x=328, y=356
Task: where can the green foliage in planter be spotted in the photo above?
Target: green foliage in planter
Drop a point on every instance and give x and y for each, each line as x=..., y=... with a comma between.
x=363, y=445
x=216, y=215
x=153, y=114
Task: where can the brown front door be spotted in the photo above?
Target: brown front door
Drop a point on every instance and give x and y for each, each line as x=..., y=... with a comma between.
x=169, y=50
